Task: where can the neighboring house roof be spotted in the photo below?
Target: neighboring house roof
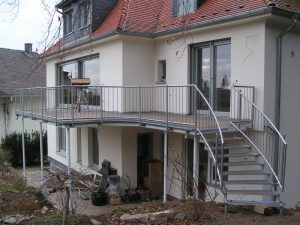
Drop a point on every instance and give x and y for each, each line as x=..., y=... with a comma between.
x=19, y=69
x=155, y=17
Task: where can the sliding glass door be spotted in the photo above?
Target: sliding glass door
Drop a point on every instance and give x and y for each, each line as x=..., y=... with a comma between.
x=211, y=73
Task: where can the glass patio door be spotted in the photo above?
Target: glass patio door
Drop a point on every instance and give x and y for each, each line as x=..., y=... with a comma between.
x=211, y=66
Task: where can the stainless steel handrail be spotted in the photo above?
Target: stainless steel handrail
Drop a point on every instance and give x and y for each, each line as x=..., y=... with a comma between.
x=262, y=155
x=278, y=141
x=264, y=115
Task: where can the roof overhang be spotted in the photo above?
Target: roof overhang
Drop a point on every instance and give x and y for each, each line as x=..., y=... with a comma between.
x=228, y=19
x=64, y=3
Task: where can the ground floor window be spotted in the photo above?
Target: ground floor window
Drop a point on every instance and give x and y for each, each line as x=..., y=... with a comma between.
x=61, y=140
x=94, y=147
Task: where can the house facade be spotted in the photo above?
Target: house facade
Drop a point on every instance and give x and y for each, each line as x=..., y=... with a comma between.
x=207, y=85
x=18, y=69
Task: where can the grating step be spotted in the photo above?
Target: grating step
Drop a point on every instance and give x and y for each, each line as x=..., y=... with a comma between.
x=242, y=154
x=245, y=172
x=227, y=139
x=251, y=192
x=232, y=147
x=242, y=163
x=245, y=202
x=267, y=182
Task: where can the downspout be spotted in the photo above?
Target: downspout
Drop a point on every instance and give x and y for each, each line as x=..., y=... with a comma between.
x=279, y=70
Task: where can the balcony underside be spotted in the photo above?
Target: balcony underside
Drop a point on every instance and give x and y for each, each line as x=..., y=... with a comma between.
x=86, y=117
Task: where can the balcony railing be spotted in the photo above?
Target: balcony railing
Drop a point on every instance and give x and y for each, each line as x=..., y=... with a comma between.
x=170, y=107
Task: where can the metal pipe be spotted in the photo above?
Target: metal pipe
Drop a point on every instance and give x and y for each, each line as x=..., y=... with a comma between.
x=196, y=166
x=41, y=153
x=23, y=150
x=165, y=165
x=279, y=69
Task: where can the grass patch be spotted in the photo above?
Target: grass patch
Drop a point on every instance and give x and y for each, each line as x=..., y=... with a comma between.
x=6, y=187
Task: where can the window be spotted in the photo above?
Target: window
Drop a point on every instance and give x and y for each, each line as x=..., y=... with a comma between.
x=68, y=22
x=61, y=140
x=80, y=68
x=162, y=71
x=83, y=18
x=184, y=7
x=94, y=147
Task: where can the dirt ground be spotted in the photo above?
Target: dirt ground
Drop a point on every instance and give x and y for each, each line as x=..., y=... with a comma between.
x=17, y=198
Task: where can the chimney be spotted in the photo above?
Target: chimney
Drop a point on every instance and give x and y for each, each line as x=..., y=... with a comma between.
x=28, y=48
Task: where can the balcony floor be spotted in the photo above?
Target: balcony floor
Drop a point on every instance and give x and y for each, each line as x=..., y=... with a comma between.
x=86, y=117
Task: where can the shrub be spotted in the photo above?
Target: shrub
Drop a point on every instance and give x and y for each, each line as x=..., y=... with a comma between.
x=12, y=146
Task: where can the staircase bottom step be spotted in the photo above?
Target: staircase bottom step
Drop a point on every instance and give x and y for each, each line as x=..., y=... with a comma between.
x=247, y=202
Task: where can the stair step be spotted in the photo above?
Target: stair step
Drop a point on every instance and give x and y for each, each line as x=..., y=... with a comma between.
x=242, y=163
x=247, y=202
x=267, y=182
x=232, y=147
x=227, y=139
x=242, y=154
x=251, y=192
x=245, y=172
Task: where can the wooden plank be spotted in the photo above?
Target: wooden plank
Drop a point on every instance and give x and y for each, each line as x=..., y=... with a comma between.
x=264, y=210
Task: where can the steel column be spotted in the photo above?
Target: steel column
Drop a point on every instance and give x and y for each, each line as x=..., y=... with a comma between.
x=196, y=165
x=165, y=165
x=23, y=150
x=41, y=153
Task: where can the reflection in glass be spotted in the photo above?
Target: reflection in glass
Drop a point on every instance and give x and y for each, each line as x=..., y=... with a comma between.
x=223, y=77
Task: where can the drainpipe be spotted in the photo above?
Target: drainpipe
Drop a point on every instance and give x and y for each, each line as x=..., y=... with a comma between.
x=279, y=70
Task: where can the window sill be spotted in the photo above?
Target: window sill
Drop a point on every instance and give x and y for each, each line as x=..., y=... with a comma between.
x=61, y=153
x=161, y=82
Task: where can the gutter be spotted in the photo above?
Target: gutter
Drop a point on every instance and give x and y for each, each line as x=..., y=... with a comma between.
x=294, y=18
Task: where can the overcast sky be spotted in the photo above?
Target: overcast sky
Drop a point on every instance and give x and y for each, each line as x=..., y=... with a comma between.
x=29, y=26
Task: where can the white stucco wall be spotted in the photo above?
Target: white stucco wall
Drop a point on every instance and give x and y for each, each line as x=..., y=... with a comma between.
x=290, y=120
x=247, y=53
x=9, y=123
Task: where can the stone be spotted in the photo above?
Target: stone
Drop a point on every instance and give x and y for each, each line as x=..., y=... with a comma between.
x=180, y=216
x=15, y=219
x=44, y=210
x=95, y=222
x=134, y=218
x=162, y=214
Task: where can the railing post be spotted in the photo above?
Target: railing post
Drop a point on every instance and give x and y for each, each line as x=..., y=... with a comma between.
x=31, y=101
x=195, y=107
x=72, y=103
x=57, y=96
x=140, y=105
x=167, y=107
x=42, y=104
x=283, y=163
x=217, y=159
x=239, y=108
x=101, y=104
x=23, y=101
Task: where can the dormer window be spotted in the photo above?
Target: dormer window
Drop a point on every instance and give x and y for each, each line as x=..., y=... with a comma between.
x=83, y=15
x=68, y=21
x=184, y=7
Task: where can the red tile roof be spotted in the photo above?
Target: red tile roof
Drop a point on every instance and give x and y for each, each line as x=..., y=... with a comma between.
x=155, y=16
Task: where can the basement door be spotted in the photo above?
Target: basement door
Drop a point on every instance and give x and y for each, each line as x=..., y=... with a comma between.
x=144, y=155
x=203, y=165
x=211, y=73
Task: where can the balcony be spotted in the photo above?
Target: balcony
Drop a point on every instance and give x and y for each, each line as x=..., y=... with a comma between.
x=171, y=107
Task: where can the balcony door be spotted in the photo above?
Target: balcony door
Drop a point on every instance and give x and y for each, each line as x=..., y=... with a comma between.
x=211, y=73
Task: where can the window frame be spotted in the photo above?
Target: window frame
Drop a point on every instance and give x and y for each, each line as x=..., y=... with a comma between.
x=61, y=141
x=83, y=18
x=68, y=19
x=179, y=10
